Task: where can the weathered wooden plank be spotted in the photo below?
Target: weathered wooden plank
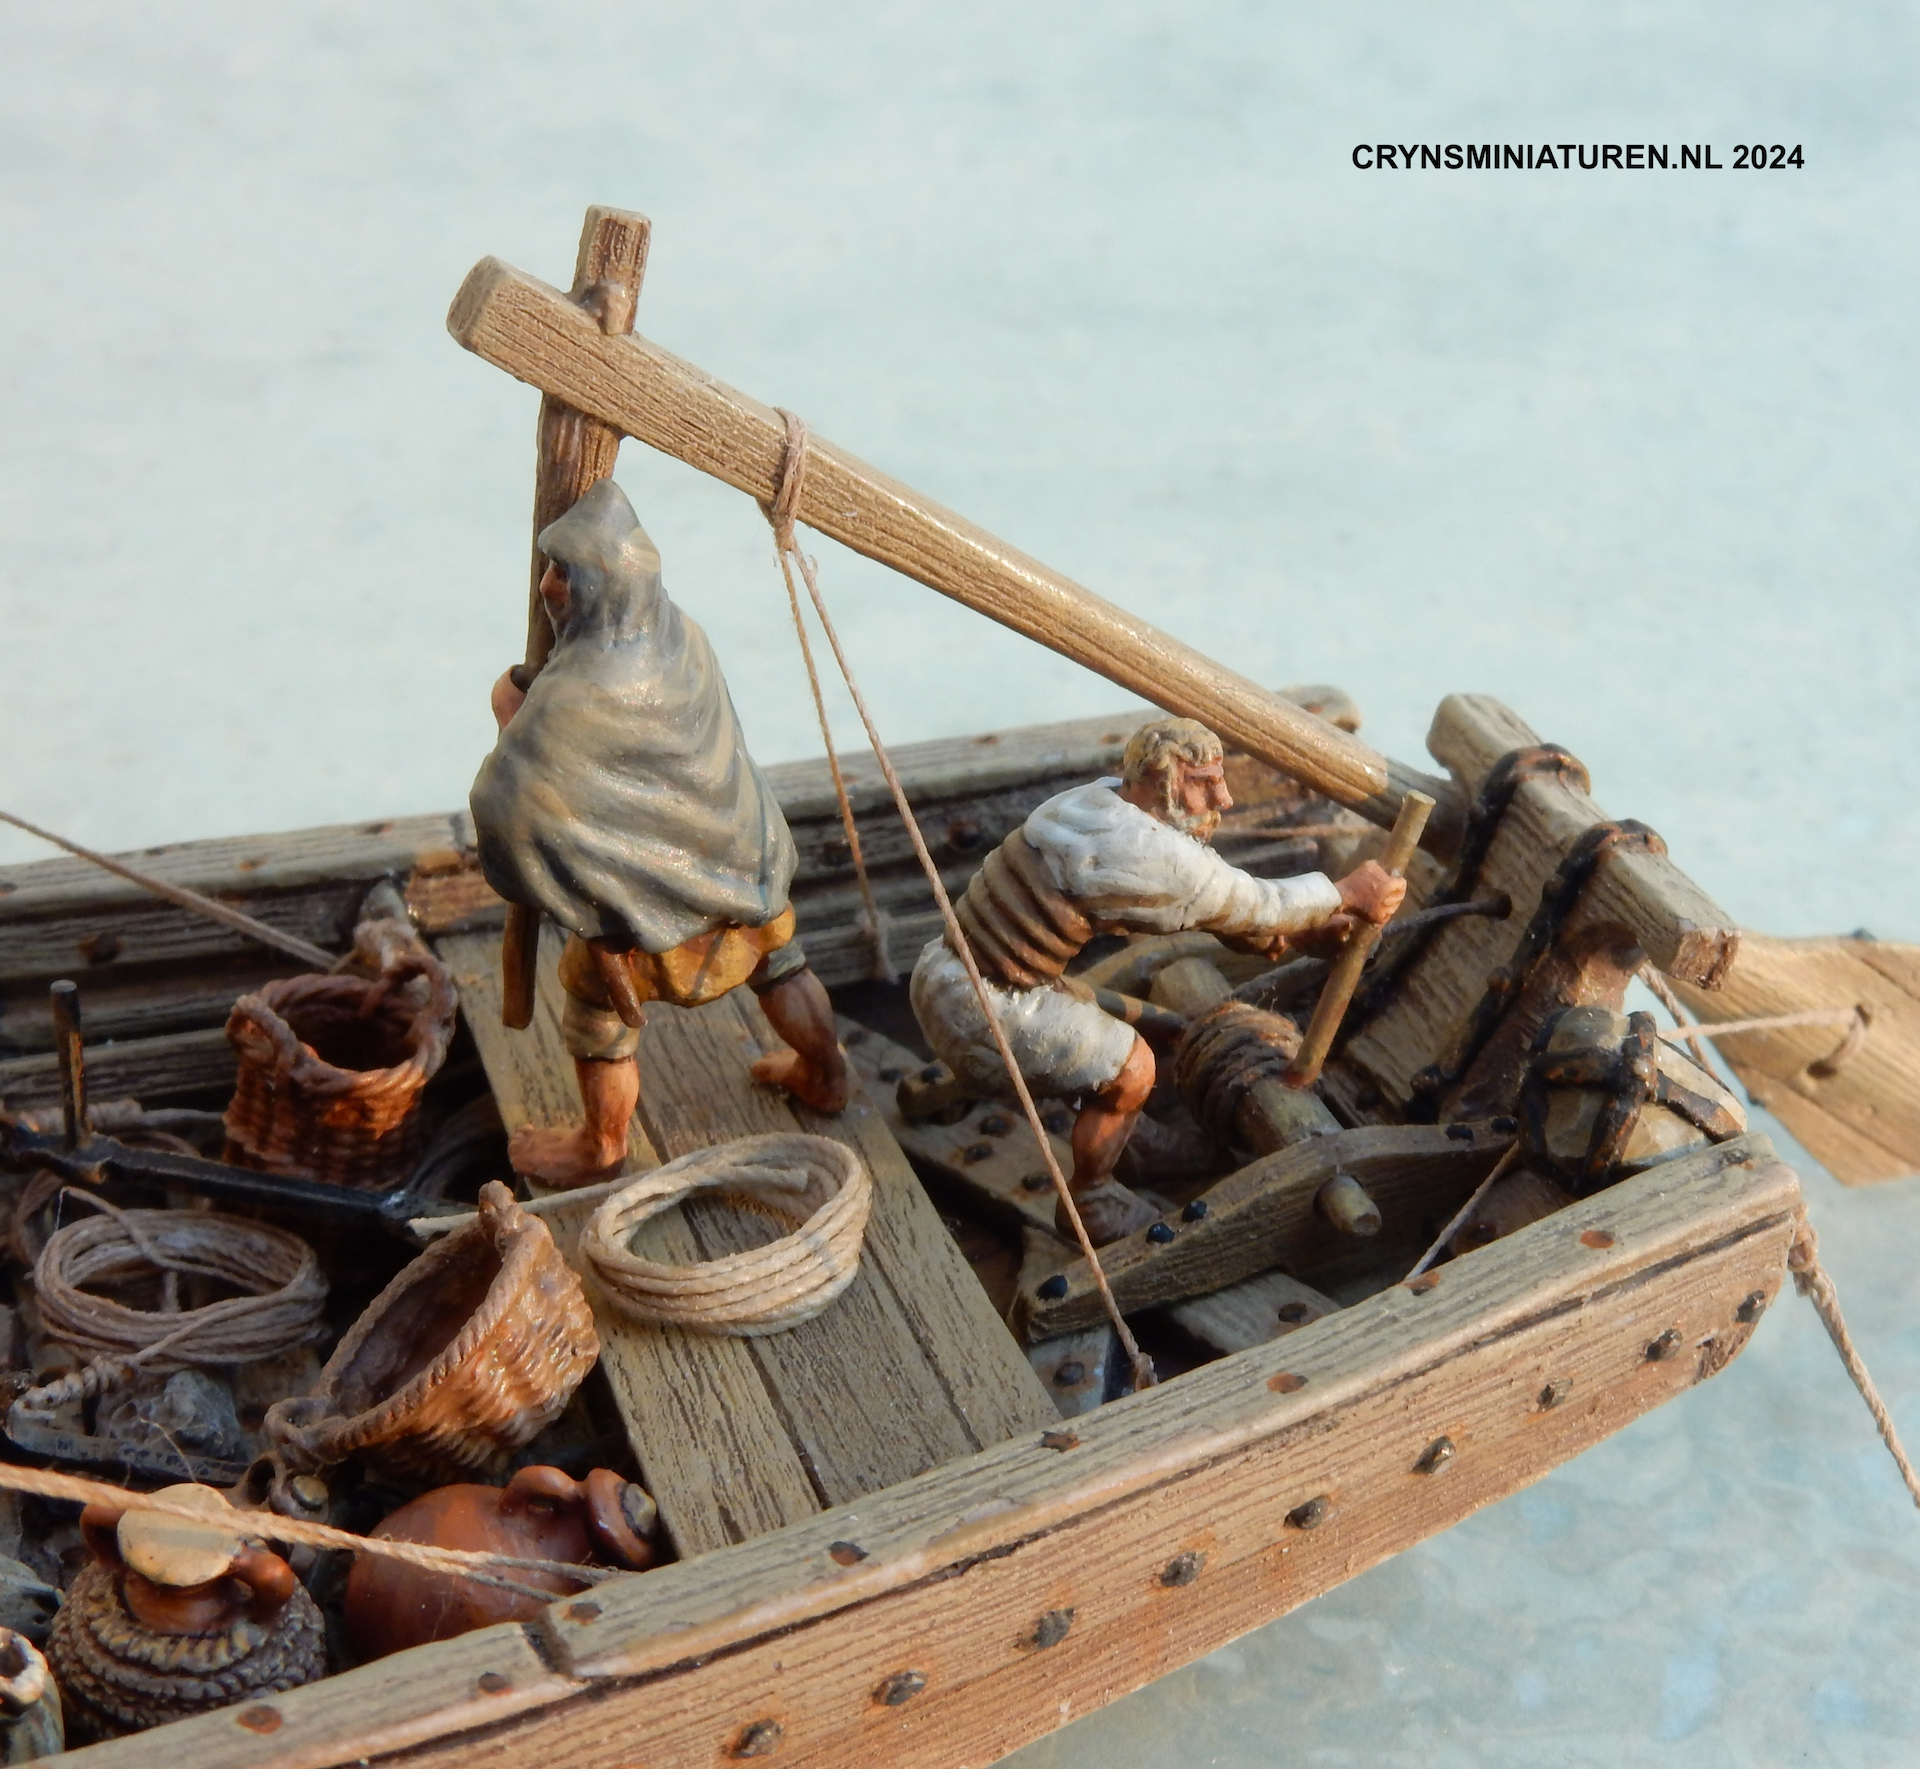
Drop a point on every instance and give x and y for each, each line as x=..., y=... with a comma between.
x=476, y=1681
x=300, y=859
x=1264, y=1216
x=120, y=1005
x=1250, y=1313
x=1164, y=1529
x=147, y=1069
x=713, y=1450
x=1860, y=1116
x=154, y=932
x=911, y=1366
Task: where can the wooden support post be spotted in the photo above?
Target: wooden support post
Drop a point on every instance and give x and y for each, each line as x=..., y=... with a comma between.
x=575, y=451
x=542, y=337
x=1636, y=904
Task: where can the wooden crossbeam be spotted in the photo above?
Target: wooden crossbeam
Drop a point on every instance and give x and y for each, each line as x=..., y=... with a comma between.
x=545, y=338
x=1264, y=1216
x=1638, y=904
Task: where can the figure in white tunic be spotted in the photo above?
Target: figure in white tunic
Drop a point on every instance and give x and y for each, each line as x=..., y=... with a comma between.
x=1119, y=855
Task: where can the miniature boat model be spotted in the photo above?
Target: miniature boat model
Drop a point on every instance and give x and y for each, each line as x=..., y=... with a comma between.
x=902, y=1533
x=993, y=1565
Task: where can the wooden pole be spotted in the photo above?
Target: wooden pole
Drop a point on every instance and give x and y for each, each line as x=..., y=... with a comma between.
x=575, y=451
x=1344, y=975
x=543, y=338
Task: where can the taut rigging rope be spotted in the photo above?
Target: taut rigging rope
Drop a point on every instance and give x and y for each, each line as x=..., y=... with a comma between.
x=781, y=513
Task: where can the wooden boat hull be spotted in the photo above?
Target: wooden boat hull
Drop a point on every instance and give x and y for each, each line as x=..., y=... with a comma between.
x=956, y=1616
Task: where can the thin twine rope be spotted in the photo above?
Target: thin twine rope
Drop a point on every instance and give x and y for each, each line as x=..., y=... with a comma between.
x=225, y=914
x=1465, y=1211
x=1692, y=1031
x=1811, y=1280
x=270, y=1526
x=792, y=467
x=779, y=514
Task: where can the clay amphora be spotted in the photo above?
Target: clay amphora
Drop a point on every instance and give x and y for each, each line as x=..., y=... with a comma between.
x=175, y=1618
x=541, y=1514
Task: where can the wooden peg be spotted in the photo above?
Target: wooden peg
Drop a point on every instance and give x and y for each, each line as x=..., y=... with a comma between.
x=64, y=999
x=1344, y=976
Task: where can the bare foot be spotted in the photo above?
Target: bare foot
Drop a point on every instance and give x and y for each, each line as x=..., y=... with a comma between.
x=1109, y=1213
x=564, y=1159
x=788, y=1069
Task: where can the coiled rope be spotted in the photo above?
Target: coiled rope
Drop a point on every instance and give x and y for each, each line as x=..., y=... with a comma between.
x=764, y=1289
x=781, y=513
x=279, y=1312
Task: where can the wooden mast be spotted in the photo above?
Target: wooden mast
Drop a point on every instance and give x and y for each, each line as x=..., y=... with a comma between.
x=575, y=452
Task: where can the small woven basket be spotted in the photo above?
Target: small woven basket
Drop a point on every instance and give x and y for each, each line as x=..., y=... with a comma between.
x=331, y=1069
x=821, y=1185
x=472, y=1351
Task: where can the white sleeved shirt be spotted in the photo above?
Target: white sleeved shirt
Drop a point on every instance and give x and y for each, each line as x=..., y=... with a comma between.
x=1121, y=865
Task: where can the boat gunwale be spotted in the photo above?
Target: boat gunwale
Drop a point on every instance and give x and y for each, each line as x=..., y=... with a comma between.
x=1229, y=1409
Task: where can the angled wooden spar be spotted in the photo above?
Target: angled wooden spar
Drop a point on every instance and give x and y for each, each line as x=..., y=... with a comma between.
x=542, y=337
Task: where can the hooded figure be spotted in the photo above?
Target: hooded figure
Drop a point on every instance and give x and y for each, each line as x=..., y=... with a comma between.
x=621, y=801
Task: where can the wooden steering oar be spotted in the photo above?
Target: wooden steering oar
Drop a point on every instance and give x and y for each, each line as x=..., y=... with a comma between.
x=1344, y=975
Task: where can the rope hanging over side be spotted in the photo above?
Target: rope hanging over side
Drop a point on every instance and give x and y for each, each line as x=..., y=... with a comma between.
x=1811, y=1280
x=781, y=514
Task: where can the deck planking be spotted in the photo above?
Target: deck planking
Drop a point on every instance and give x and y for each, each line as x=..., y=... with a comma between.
x=910, y=1368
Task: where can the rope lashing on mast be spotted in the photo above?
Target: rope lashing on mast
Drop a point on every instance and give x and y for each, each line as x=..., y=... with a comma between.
x=780, y=513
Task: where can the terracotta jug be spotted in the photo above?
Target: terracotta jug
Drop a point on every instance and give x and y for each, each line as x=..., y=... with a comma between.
x=30, y=1725
x=541, y=1514
x=175, y=1617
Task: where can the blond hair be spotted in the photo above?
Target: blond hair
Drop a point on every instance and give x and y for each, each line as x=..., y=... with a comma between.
x=1158, y=744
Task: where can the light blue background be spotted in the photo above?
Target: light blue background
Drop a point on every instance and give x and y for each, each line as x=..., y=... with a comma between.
x=1632, y=451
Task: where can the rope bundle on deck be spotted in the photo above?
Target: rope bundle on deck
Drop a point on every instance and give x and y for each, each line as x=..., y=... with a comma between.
x=765, y=1289
x=278, y=1311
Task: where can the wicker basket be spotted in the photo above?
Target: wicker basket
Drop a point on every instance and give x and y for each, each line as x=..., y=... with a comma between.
x=466, y=1356
x=331, y=1069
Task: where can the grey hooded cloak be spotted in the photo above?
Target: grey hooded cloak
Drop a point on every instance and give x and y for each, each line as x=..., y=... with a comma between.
x=620, y=800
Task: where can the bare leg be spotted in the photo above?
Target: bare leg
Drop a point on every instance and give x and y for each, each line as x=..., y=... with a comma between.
x=1100, y=1133
x=609, y=1091
x=812, y=1069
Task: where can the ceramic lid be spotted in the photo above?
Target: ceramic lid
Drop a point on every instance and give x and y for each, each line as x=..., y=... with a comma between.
x=173, y=1551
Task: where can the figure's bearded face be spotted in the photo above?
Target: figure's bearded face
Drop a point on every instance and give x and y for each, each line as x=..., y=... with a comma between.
x=1192, y=797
